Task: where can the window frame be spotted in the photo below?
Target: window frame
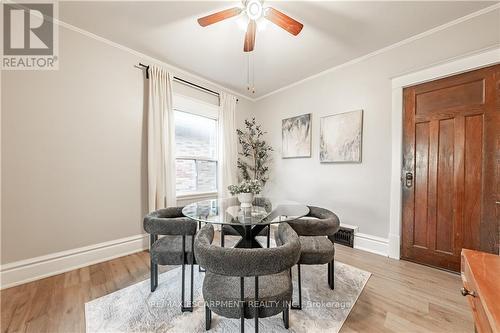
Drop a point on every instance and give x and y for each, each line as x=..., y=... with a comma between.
x=190, y=110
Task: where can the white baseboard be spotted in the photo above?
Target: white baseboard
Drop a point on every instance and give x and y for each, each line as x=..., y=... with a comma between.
x=28, y=270
x=369, y=243
x=394, y=241
x=23, y=271
x=353, y=227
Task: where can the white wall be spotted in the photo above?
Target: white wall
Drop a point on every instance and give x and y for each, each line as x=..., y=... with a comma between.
x=360, y=193
x=74, y=150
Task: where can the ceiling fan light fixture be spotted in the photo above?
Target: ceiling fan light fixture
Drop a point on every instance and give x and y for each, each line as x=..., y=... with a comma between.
x=242, y=22
x=254, y=9
x=255, y=16
x=262, y=24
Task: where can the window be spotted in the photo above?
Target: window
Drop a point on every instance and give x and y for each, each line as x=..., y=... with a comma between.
x=196, y=148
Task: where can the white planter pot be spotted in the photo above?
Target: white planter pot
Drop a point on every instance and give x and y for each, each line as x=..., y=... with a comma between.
x=245, y=199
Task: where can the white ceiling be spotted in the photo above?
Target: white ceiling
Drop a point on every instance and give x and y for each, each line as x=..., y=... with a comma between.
x=334, y=33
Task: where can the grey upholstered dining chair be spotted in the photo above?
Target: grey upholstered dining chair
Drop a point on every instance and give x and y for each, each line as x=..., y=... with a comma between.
x=316, y=231
x=231, y=271
x=175, y=248
x=228, y=230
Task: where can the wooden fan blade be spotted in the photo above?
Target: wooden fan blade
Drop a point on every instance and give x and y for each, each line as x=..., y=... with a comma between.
x=250, y=36
x=219, y=16
x=284, y=21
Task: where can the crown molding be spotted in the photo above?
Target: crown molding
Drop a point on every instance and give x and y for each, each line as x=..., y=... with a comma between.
x=385, y=49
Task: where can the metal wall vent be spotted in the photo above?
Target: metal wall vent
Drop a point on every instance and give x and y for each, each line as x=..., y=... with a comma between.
x=345, y=236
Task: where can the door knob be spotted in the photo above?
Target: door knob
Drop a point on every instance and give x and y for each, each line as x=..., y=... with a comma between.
x=464, y=291
x=409, y=179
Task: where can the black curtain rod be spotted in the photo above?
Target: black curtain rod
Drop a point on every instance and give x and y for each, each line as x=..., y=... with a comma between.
x=196, y=86
x=183, y=81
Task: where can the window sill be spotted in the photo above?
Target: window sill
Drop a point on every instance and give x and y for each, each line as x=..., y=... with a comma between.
x=198, y=195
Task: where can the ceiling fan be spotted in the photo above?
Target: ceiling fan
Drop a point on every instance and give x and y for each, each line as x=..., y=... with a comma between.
x=254, y=9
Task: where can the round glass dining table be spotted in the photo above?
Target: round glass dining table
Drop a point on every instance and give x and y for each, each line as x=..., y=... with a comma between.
x=247, y=222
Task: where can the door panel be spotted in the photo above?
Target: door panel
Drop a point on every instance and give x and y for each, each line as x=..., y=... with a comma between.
x=450, y=134
x=473, y=167
x=421, y=184
x=461, y=95
x=445, y=175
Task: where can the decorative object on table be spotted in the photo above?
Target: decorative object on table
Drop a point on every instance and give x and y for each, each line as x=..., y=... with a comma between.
x=135, y=309
x=245, y=191
x=296, y=136
x=341, y=137
x=245, y=199
x=254, y=155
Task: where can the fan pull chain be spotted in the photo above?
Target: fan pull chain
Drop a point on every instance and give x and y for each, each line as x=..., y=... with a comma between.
x=252, y=65
x=253, y=76
x=250, y=76
x=248, y=71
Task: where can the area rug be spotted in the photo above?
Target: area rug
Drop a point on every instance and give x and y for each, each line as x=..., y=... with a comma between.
x=136, y=309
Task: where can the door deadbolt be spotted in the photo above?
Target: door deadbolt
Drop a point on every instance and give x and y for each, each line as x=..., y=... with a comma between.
x=409, y=179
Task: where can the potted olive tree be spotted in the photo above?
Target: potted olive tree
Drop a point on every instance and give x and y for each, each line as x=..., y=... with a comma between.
x=252, y=162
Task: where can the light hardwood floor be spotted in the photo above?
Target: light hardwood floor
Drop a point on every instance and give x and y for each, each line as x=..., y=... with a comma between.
x=399, y=297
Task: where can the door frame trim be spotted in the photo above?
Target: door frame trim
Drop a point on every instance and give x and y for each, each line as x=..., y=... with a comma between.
x=483, y=58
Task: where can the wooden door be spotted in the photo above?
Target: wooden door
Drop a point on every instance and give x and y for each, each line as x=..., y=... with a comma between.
x=451, y=153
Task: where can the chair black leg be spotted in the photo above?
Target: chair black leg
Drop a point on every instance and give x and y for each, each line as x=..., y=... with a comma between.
x=286, y=316
x=183, y=302
x=268, y=236
x=183, y=269
x=182, y=287
x=191, y=289
x=242, y=304
x=208, y=318
x=199, y=267
x=256, y=314
x=153, y=266
x=298, y=307
x=154, y=276
x=192, y=272
x=331, y=274
x=222, y=236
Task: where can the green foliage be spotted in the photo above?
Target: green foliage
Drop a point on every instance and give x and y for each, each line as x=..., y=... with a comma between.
x=255, y=152
x=252, y=186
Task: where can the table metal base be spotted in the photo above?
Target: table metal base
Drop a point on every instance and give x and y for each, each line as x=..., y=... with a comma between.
x=248, y=234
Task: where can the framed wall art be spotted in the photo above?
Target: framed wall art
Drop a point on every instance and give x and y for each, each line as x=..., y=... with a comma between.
x=341, y=137
x=296, y=136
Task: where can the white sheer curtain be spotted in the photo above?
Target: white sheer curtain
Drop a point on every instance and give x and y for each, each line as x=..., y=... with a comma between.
x=161, y=140
x=228, y=144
